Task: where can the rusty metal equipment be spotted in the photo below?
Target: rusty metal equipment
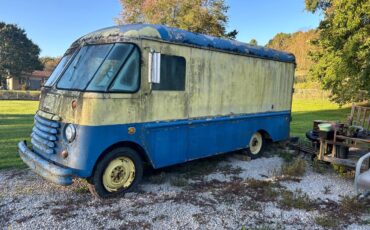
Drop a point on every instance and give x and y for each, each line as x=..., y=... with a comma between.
x=343, y=141
x=346, y=144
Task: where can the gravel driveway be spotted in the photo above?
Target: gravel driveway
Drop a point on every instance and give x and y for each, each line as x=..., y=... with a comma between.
x=225, y=192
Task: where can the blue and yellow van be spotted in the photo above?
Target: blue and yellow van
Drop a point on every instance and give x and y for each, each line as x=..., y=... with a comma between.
x=128, y=95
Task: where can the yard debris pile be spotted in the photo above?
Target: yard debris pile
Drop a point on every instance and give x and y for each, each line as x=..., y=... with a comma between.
x=222, y=192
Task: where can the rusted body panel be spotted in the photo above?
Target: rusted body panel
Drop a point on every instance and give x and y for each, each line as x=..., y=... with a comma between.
x=44, y=168
x=217, y=83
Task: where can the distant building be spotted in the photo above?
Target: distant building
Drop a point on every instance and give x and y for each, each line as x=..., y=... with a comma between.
x=28, y=81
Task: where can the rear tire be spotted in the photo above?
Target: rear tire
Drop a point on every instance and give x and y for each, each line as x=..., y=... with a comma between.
x=119, y=172
x=256, y=145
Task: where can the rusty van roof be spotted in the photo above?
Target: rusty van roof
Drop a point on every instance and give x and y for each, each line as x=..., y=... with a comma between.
x=179, y=36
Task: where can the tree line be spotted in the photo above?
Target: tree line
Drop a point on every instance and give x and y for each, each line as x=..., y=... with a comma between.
x=298, y=43
x=337, y=53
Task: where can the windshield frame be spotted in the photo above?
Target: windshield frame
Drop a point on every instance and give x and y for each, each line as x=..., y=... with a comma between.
x=113, y=79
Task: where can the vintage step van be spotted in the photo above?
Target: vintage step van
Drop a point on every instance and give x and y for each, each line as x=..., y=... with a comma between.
x=133, y=94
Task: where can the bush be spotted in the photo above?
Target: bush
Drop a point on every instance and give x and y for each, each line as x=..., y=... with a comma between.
x=327, y=221
x=352, y=205
x=343, y=171
x=287, y=156
x=295, y=169
x=297, y=199
x=19, y=95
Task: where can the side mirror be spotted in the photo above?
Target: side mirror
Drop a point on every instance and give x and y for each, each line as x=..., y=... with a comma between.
x=154, y=67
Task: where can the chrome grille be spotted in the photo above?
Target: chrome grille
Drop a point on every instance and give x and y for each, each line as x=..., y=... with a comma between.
x=44, y=135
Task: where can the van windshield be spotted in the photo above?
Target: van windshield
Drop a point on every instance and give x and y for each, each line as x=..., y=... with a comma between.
x=94, y=68
x=58, y=70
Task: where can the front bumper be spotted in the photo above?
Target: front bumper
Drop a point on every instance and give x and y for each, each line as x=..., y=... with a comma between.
x=48, y=170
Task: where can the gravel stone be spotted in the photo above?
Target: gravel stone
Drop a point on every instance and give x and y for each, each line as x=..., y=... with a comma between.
x=212, y=201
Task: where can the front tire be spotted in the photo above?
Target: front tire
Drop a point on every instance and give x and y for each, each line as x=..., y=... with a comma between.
x=256, y=145
x=119, y=172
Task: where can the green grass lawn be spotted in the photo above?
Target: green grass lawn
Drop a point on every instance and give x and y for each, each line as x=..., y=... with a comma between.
x=305, y=111
x=16, y=120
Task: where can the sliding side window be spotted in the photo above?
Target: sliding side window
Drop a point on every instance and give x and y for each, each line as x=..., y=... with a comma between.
x=173, y=71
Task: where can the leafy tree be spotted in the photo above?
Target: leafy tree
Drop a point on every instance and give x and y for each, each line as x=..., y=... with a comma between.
x=342, y=60
x=280, y=41
x=49, y=63
x=253, y=42
x=200, y=16
x=314, y=5
x=17, y=52
x=298, y=43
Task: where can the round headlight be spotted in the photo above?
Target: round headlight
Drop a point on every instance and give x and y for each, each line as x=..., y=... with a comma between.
x=70, y=132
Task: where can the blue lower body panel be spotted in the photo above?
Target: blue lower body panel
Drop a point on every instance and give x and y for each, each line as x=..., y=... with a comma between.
x=180, y=141
x=165, y=143
x=234, y=132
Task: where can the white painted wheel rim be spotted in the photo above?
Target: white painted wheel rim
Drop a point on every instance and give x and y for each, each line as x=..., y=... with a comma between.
x=255, y=144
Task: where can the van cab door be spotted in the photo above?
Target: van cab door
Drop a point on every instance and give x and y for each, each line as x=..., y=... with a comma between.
x=166, y=107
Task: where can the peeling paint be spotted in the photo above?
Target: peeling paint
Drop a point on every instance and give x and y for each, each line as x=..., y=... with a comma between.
x=144, y=32
x=182, y=37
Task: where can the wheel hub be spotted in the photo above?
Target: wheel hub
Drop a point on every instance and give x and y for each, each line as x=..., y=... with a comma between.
x=117, y=174
x=120, y=173
x=255, y=144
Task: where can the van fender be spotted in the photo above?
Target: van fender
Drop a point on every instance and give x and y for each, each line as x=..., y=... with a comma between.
x=265, y=134
x=129, y=144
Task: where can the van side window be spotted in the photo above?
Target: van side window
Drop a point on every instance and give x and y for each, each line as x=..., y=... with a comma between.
x=172, y=73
